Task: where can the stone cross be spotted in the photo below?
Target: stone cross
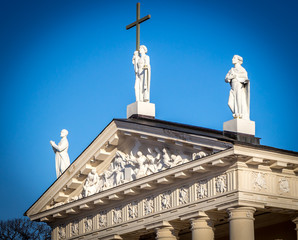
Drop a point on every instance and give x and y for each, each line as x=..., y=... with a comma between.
x=137, y=24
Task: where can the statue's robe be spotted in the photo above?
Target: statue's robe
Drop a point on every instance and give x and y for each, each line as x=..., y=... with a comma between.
x=239, y=75
x=61, y=156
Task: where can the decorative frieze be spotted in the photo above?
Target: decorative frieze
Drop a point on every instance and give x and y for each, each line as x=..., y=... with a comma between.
x=284, y=186
x=133, y=210
x=221, y=183
x=88, y=223
x=183, y=195
x=102, y=219
x=148, y=205
x=62, y=232
x=117, y=215
x=166, y=200
x=202, y=190
x=259, y=181
x=74, y=228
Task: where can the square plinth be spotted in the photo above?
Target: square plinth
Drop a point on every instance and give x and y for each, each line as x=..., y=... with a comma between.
x=240, y=126
x=141, y=108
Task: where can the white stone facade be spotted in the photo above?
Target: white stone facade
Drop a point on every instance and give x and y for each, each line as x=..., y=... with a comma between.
x=199, y=182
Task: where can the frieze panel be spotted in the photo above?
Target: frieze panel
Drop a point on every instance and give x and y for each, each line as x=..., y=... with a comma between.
x=259, y=181
x=102, y=219
x=284, y=186
x=184, y=195
x=117, y=215
x=202, y=189
x=149, y=205
x=133, y=210
x=62, y=232
x=74, y=228
x=88, y=224
x=166, y=200
x=221, y=183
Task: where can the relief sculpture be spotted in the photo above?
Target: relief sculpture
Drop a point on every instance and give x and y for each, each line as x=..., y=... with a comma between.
x=139, y=162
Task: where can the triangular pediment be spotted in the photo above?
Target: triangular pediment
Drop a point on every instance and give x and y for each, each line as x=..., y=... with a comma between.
x=127, y=150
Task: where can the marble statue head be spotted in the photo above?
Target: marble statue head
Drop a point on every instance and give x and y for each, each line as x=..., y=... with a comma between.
x=143, y=49
x=64, y=133
x=237, y=59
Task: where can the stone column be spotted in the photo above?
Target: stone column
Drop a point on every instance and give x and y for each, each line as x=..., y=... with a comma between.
x=295, y=220
x=241, y=223
x=165, y=233
x=202, y=228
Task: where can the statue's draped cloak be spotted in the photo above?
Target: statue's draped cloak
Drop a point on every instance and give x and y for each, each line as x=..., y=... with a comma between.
x=245, y=92
x=61, y=156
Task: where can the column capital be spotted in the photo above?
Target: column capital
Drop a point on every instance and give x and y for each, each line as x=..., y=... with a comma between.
x=165, y=233
x=112, y=237
x=241, y=213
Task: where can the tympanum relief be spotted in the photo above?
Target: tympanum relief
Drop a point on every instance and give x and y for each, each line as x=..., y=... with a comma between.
x=139, y=162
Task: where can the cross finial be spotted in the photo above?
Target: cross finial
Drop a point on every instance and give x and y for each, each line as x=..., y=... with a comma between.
x=137, y=24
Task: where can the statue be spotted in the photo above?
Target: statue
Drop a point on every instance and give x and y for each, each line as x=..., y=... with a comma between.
x=91, y=185
x=240, y=89
x=142, y=68
x=60, y=150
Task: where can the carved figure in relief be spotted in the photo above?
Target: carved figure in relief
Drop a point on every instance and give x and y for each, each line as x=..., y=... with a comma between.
x=103, y=181
x=153, y=161
x=75, y=228
x=61, y=232
x=88, y=224
x=166, y=159
x=133, y=210
x=166, y=200
x=183, y=195
x=202, y=189
x=221, y=184
x=148, y=205
x=117, y=215
x=61, y=155
x=142, y=68
x=141, y=161
x=102, y=219
x=198, y=155
x=284, y=185
x=259, y=181
x=240, y=89
x=91, y=185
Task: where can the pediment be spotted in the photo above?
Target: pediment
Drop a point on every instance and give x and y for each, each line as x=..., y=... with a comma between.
x=127, y=150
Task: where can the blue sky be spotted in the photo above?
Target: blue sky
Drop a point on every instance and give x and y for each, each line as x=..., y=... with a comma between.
x=67, y=64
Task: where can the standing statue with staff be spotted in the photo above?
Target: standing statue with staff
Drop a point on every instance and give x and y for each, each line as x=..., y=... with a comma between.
x=141, y=62
x=142, y=68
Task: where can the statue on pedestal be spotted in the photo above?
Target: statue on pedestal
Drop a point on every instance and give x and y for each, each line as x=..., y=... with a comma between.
x=60, y=150
x=240, y=89
x=142, y=68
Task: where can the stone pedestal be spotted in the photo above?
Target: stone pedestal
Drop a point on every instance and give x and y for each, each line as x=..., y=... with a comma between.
x=202, y=228
x=241, y=223
x=240, y=126
x=141, y=108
